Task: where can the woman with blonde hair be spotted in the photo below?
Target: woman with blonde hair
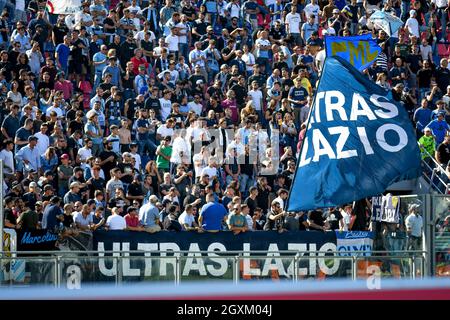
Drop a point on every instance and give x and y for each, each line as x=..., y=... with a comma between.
x=248, y=111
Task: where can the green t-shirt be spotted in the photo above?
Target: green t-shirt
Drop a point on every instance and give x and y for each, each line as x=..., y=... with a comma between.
x=162, y=163
x=429, y=145
x=238, y=220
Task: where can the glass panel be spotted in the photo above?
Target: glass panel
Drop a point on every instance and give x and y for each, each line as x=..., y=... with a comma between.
x=206, y=268
x=275, y=268
x=151, y=268
x=386, y=267
x=319, y=267
x=27, y=271
x=441, y=221
x=78, y=270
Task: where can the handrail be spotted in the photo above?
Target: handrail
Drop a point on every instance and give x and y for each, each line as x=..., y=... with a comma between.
x=238, y=252
x=437, y=168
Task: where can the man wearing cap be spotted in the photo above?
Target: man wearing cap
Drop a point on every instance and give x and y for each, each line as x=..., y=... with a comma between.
x=427, y=144
x=412, y=25
x=414, y=226
x=28, y=157
x=52, y=214
x=73, y=195
x=439, y=127
x=31, y=197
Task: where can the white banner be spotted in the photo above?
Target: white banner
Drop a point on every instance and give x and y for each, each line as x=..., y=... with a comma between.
x=63, y=6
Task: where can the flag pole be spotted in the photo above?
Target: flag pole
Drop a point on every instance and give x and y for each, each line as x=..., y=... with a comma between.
x=306, y=130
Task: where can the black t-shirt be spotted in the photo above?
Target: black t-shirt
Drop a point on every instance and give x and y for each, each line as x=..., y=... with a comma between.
x=260, y=79
x=77, y=52
x=444, y=152
x=135, y=189
x=96, y=184
x=276, y=34
x=252, y=205
x=240, y=92
x=60, y=32
x=110, y=22
x=128, y=84
x=75, y=125
x=200, y=27
x=424, y=77
x=263, y=198
x=126, y=168
x=442, y=78
x=334, y=218
x=188, y=11
x=316, y=217
x=105, y=154
x=9, y=215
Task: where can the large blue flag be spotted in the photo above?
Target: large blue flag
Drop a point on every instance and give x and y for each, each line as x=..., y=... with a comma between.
x=357, y=142
x=361, y=51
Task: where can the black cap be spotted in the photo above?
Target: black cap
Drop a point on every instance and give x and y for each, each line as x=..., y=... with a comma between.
x=32, y=138
x=48, y=173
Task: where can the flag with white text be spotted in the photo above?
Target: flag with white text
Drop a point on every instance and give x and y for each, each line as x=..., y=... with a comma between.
x=358, y=142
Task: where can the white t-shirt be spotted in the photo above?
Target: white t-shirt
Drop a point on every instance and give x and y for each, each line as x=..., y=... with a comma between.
x=42, y=143
x=415, y=223
x=179, y=145
x=294, y=22
x=211, y=172
x=84, y=153
x=8, y=160
x=185, y=218
x=183, y=28
x=312, y=9
x=164, y=131
x=256, y=98
x=140, y=35
x=346, y=218
x=249, y=222
x=172, y=42
x=166, y=107
x=196, y=107
x=138, y=161
x=249, y=60
x=198, y=168
x=413, y=26
x=425, y=51
x=116, y=222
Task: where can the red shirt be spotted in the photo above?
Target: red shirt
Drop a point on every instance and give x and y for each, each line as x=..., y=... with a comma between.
x=138, y=62
x=132, y=220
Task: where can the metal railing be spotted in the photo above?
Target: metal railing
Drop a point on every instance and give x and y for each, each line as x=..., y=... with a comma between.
x=431, y=174
x=72, y=270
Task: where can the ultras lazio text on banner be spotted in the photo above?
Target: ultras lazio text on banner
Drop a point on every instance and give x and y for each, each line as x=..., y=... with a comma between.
x=358, y=142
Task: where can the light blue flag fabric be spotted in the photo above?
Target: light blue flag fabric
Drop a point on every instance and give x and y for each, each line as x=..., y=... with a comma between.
x=361, y=51
x=357, y=143
x=386, y=21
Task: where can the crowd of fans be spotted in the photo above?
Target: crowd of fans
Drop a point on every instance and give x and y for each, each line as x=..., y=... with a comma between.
x=109, y=115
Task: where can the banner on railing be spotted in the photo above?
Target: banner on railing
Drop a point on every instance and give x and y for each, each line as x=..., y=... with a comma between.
x=36, y=240
x=219, y=244
x=348, y=243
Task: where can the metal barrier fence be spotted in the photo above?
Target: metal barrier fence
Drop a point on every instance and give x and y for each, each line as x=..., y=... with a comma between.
x=68, y=269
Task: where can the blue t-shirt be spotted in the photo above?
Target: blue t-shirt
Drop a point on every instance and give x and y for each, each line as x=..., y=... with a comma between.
x=49, y=220
x=63, y=54
x=439, y=129
x=251, y=6
x=213, y=214
x=422, y=117
x=142, y=123
x=298, y=94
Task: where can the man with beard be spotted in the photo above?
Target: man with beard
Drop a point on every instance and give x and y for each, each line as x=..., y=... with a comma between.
x=108, y=159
